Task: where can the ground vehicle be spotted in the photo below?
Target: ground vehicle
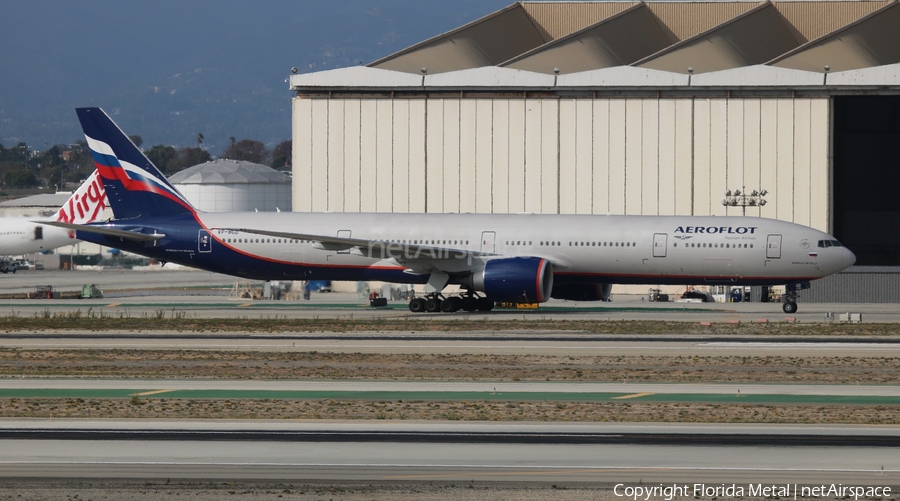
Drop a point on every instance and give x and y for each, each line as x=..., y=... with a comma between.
x=695, y=294
x=319, y=285
x=7, y=266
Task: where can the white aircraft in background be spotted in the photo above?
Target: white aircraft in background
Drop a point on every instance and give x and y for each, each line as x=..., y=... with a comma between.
x=495, y=257
x=25, y=235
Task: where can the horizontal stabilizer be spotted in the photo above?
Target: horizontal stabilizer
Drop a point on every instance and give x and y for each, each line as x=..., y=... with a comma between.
x=110, y=232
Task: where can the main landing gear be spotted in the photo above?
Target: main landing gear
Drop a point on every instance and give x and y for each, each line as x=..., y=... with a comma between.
x=435, y=302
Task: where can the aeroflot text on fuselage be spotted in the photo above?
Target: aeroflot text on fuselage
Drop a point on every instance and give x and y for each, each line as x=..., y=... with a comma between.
x=739, y=230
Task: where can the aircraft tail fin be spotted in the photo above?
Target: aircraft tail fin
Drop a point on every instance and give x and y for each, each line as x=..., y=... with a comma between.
x=134, y=186
x=86, y=205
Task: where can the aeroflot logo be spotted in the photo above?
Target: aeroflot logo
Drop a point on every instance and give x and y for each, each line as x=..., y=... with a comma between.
x=739, y=230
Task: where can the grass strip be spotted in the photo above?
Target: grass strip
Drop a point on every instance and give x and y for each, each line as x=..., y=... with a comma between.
x=449, y=396
x=180, y=320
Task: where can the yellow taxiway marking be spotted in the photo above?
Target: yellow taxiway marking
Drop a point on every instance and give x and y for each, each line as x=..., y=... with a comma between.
x=154, y=392
x=113, y=305
x=243, y=305
x=633, y=395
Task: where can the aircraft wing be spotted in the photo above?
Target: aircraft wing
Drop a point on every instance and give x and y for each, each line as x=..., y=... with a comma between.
x=417, y=258
x=111, y=232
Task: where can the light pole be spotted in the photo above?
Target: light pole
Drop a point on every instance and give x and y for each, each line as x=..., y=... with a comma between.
x=744, y=199
x=24, y=155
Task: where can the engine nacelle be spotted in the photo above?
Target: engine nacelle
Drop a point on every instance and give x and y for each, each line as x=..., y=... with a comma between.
x=582, y=292
x=514, y=280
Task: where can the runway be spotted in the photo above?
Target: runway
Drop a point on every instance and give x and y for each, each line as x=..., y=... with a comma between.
x=599, y=455
x=478, y=452
x=494, y=343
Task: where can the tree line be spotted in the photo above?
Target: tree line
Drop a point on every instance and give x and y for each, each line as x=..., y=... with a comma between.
x=21, y=167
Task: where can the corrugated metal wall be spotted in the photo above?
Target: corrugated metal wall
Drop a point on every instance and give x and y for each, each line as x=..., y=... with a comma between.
x=860, y=284
x=563, y=155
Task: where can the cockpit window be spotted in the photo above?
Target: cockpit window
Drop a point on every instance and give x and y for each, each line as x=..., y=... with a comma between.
x=829, y=243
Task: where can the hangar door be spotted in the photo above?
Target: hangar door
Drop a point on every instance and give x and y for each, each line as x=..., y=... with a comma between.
x=867, y=176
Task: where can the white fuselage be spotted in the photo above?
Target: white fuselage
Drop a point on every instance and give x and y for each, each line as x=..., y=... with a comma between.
x=614, y=249
x=22, y=235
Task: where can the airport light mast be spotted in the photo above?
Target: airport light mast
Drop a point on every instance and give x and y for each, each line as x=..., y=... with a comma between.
x=743, y=199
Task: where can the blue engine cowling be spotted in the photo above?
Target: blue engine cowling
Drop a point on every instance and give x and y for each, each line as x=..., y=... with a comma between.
x=582, y=292
x=515, y=279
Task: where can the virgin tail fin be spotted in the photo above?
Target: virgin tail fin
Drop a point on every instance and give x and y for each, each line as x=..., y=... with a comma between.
x=86, y=205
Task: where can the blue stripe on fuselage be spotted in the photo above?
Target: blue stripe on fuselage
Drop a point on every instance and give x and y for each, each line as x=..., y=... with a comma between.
x=180, y=246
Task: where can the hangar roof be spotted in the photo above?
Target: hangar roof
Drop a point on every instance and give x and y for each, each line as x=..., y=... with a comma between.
x=43, y=200
x=489, y=76
x=672, y=35
x=620, y=39
x=229, y=172
x=622, y=76
x=871, y=41
x=757, y=76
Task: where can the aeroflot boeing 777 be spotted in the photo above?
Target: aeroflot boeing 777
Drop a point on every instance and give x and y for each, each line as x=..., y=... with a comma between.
x=509, y=258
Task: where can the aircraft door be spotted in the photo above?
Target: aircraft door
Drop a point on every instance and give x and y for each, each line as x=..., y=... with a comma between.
x=773, y=247
x=38, y=232
x=659, y=244
x=487, y=241
x=204, y=241
x=344, y=234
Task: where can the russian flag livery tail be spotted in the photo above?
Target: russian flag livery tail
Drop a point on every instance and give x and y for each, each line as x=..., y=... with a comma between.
x=134, y=186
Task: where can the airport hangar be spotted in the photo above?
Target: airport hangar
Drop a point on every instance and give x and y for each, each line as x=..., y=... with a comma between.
x=628, y=108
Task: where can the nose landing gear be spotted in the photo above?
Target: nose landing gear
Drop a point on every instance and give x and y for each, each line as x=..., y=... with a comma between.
x=790, y=296
x=790, y=304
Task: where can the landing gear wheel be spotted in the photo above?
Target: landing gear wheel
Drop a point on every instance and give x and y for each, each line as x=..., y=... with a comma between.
x=789, y=307
x=417, y=305
x=451, y=304
x=433, y=305
x=484, y=304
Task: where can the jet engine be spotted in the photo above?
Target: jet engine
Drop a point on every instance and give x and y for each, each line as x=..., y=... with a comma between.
x=582, y=292
x=514, y=280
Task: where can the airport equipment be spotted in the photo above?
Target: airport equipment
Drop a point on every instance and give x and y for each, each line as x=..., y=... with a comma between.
x=91, y=291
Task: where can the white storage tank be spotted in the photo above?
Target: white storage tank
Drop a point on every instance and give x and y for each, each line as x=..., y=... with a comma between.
x=234, y=186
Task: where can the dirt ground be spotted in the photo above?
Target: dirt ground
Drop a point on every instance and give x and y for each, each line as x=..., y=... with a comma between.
x=204, y=364
x=634, y=412
x=199, y=364
x=133, y=490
